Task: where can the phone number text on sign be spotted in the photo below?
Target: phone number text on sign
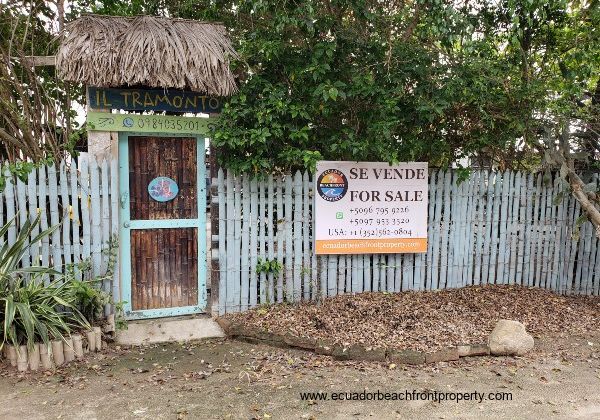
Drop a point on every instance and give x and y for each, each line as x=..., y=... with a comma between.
x=370, y=207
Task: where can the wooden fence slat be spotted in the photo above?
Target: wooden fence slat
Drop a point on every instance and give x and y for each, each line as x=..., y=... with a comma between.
x=486, y=268
x=237, y=238
x=9, y=195
x=105, y=189
x=503, y=220
x=253, y=241
x=575, y=211
x=469, y=227
x=270, y=237
x=261, y=239
x=514, y=227
x=65, y=217
x=453, y=215
x=96, y=217
x=331, y=275
x=230, y=230
x=86, y=246
x=341, y=275
x=114, y=223
x=430, y=229
x=554, y=235
x=528, y=232
x=22, y=207
x=496, y=212
x=288, y=246
x=549, y=218
x=443, y=282
x=223, y=280
x=306, y=251
x=245, y=252
x=297, y=242
x=54, y=218
x=521, y=199
x=280, y=236
x=74, y=192
x=437, y=222
x=376, y=261
x=562, y=243
x=540, y=211
x=43, y=188
x=366, y=272
x=480, y=213
x=32, y=210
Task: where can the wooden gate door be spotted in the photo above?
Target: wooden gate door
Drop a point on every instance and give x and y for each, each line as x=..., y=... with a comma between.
x=163, y=233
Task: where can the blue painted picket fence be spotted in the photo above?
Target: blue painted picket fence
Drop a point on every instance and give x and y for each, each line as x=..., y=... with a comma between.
x=494, y=228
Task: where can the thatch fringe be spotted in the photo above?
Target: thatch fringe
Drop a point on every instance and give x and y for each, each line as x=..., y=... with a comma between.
x=110, y=51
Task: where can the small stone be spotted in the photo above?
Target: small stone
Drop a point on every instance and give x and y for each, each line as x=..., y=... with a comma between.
x=509, y=338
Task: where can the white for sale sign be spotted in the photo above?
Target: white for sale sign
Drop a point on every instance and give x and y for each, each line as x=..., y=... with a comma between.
x=370, y=207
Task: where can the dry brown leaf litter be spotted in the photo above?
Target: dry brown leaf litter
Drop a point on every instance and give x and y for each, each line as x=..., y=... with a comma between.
x=426, y=320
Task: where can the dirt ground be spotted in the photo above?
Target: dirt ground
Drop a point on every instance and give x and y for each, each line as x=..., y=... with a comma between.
x=230, y=379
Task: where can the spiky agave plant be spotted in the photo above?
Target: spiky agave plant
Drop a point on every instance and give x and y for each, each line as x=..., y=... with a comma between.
x=31, y=310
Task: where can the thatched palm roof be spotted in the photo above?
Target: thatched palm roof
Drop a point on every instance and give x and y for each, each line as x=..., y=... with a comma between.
x=109, y=51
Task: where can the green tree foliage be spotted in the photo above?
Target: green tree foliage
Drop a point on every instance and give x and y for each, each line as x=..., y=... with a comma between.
x=397, y=80
x=37, y=120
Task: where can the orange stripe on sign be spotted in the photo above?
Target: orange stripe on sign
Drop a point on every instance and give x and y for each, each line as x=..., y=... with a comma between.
x=371, y=246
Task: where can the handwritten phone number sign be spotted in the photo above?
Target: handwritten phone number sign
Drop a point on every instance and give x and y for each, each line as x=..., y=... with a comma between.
x=370, y=207
x=100, y=121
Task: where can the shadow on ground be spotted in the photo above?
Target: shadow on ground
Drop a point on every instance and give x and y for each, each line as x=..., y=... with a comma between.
x=229, y=379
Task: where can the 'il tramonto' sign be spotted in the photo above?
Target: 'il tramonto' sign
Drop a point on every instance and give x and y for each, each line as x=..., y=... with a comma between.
x=152, y=100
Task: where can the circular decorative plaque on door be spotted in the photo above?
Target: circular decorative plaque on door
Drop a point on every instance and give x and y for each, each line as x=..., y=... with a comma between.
x=163, y=189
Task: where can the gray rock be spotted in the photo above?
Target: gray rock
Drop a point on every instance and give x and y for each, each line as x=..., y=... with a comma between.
x=509, y=338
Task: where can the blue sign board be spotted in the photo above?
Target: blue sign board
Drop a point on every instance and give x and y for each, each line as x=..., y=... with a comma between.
x=152, y=100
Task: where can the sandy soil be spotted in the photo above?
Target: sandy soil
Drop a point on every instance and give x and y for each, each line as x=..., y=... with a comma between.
x=229, y=379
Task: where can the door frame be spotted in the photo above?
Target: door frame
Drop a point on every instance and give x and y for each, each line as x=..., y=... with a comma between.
x=126, y=225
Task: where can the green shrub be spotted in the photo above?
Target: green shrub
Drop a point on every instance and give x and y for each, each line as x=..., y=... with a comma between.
x=31, y=310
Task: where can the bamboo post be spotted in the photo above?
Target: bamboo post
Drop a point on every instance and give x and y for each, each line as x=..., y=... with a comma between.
x=45, y=359
x=58, y=354
x=68, y=350
x=11, y=355
x=98, y=338
x=34, y=357
x=78, y=345
x=22, y=364
x=91, y=340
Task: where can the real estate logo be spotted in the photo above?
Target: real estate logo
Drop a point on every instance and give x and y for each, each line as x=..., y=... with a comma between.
x=332, y=185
